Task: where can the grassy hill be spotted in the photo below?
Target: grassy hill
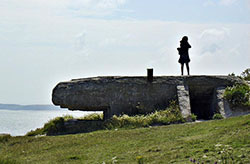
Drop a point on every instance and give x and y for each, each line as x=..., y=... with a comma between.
x=226, y=140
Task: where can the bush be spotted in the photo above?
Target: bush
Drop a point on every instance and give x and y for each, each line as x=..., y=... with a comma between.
x=57, y=125
x=238, y=95
x=52, y=127
x=126, y=121
x=217, y=116
x=93, y=117
x=193, y=117
x=168, y=116
x=4, y=137
x=246, y=74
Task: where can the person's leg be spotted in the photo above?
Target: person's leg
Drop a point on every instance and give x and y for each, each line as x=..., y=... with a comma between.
x=182, y=65
x=187, y=68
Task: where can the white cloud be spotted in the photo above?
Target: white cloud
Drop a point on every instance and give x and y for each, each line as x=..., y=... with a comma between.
x=212, y=39
x=209, y=3
x=227, y=2
x=213, y=32
x=220, y=2
x=110, y=4
x=63, y=7
x=115, y=39
x=94, y=7
x=108, y=42
x=81, y=44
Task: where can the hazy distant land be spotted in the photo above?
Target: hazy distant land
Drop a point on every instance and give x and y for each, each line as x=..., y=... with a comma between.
x=28, y=107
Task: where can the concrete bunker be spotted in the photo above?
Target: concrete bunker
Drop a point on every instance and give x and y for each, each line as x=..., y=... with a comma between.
x=116, y=95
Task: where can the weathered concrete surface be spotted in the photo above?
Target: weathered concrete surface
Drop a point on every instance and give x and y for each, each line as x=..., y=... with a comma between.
x=183, y=99
x=133, y=95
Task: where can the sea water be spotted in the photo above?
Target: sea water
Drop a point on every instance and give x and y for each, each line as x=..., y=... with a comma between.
x=19, y=122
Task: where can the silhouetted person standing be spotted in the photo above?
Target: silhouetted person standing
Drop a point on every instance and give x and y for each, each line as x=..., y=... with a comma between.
x=183, y=52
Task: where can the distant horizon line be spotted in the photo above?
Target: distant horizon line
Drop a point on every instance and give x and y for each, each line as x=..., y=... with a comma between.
x=27, y=104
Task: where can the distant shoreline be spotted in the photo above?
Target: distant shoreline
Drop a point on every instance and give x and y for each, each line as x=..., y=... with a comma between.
x=28, y=107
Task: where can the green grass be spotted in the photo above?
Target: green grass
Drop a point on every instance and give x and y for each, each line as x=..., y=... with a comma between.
x=227, y=139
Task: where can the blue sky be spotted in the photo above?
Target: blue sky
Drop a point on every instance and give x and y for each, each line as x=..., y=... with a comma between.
x=44, y=42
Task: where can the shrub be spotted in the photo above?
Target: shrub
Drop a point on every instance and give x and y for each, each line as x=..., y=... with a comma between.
x=193, y=117
x=93, y=117
x=126, y=121
x=4, y=137
x=67, y=117
x=232, y=74
x=38, y=131
x=217, y=116
x=238, y=95
x=57, y=125
x=168, y=116
x=52, y=127
x=246, y=74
